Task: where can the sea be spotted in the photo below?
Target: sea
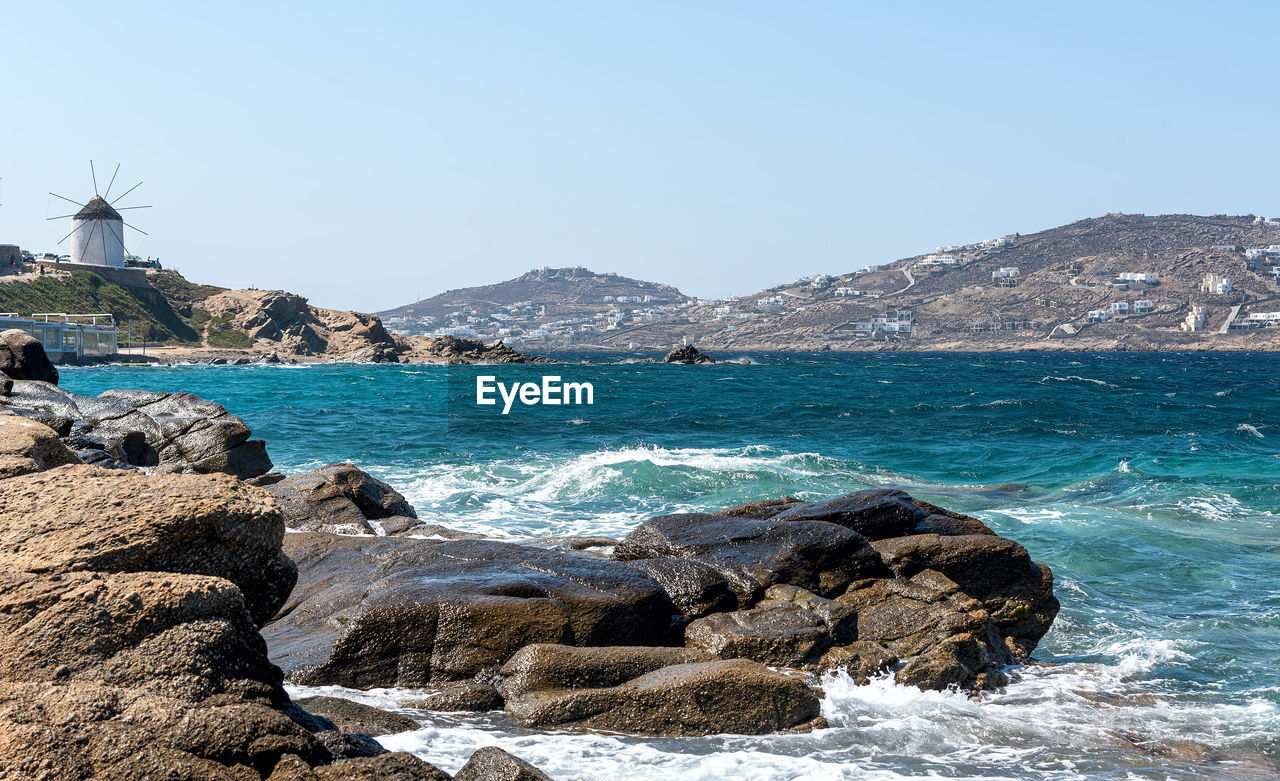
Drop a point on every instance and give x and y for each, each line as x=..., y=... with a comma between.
x=1148, y=482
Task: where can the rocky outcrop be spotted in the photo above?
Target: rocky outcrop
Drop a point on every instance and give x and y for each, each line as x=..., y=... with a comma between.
x=382, y=611
x=167, y=432
x=791, y=627
x=697, y=589
x=453, y=350
x=338, y=498
x=128, y=638
x=652, y=691
x=687, y=354
x=865, y=582
x=468, y=696
x=22, y=357
x=753, y=554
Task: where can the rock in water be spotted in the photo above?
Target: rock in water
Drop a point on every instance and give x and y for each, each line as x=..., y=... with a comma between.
x=577, y=689
x=352, y=716
x=687, y=354
x=169, y=432
x=493, y=764
x=391, y=611
x=791, y=627
x=22, y=357
x=753, y=555
x=338, y=498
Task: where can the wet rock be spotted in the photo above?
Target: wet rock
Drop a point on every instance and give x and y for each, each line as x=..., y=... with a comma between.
x=875, y=514
x=469, y=696
x=753, y=555
x=395, y=766
x=338, y=497
x=170, y=433
x=386, y=611
x=687, y=354
x=1017, y=592
x=861, y=660
x=946, y=636
x=696, y=588
x=27, y=446
x=545, y=666
x=493, y=764
x=352, y=716
x=697, y=698
x=22, y=357
x=791, y=627
x=945, y=522
x=762, y=510
x=412, y=527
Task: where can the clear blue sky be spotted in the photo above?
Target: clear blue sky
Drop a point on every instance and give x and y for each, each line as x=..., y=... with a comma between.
x=366, y=154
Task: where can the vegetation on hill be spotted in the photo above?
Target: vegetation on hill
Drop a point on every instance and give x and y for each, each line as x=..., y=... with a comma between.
x=149, y=318
x=178, y=290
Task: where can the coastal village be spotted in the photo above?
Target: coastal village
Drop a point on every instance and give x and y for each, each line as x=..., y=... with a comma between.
x=1115, y=282
x=1167, y=282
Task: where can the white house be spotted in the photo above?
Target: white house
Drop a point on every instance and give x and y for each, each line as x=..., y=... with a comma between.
x=1197, y=319
x=1141, y=307
x=1006, y=273
x=1134, y=276
x=1120, y=308
x=1215, y=283
x=1099, y=316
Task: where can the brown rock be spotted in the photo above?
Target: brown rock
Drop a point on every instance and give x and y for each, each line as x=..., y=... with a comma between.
x=389, y=611
x=338, y=497
x=351, y=716
x=493, y=764
x=791, y=627
x=468, y=696
x=22, y=357
x=27, y=446
x=699, y=698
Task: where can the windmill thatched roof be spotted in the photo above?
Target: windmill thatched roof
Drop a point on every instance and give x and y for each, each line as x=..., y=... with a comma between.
x=98, y=209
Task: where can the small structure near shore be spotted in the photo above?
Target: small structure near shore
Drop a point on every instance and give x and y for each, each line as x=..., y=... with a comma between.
x=67, y=337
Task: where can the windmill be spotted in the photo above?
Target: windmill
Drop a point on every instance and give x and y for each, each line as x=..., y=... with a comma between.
x=97, y=230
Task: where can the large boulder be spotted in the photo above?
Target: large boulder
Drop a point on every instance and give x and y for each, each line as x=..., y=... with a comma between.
x=1016, y=591
x=383, y=611
x=791, y=627
x=696, y=588
x=690, y=698
x=22, y=357
x=687, y=354
x=27, y=446
x=875, y=514
x=946, y=636
x=128, y=639
x=753, y=554
x=338, y=498
x=166, y=432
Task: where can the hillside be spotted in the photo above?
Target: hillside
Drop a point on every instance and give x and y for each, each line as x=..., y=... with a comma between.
x=145, y=313
x=538, y=300
x=952, y=298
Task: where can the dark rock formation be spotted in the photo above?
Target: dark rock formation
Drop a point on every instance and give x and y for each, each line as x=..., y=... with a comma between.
x=352, y=716
x=998, y=572
x=22, y=357
x=874, y=514
x=791, y=627
x=753, y=555
x=169, y=432
x=594, y=689
x=381, y=611
x=493, y=764
x=338, y=498
x=453, y=350
x=687, y=354
x=696, y=588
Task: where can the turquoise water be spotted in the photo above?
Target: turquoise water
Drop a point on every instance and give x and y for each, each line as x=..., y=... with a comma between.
x=1148, y=482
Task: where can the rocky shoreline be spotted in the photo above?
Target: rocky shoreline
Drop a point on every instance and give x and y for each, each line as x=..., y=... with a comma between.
x=164, y=582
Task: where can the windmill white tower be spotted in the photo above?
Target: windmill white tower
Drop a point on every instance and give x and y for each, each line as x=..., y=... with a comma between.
x=97, y=232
